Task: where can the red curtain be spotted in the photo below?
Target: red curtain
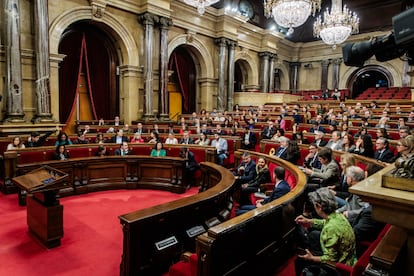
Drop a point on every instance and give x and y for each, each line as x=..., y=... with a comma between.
x=95, y=61
x=179, y=64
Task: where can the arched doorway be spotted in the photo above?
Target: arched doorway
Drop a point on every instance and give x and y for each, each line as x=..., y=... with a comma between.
x=367, y=77
x=182, y=65
x=88, y=77
x=241, y=75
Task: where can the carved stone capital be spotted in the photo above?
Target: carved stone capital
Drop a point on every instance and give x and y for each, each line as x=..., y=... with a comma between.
x=148, y=18
x=295, y=64
x=266, y=54
x=165, y=23
x=326, y=62
x=337, y=61
x=232, y=44
x=222, y=42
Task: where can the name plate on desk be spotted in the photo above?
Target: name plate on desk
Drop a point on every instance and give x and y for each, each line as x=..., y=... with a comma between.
x=168, y=242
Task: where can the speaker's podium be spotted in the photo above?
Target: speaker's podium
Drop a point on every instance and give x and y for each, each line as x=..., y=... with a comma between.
x=44, y=211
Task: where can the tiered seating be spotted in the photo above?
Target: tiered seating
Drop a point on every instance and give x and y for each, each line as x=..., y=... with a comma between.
x=385, y=93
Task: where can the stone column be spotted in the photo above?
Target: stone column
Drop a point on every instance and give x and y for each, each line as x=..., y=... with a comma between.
x=264, y=71
x=221, y=92
x=13, y=79
x=41, y=20
x=148, y=20
x=165, y=23
x=324, y=72
x=273, y=58
x=335, y=80
x=230, y=75
x=294, y=76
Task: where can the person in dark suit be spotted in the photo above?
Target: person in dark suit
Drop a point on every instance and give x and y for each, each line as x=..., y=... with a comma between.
x=316, y=127
x=35, y=140
x=246, y=171
x=311, y=159
x=281, y=151
x=119, y=138
x=281, y=188
x=382, y=152
x=123, y=149
x=253, y=186
x=191, y=165
x=186, y=139
x=269, y=130
x=248, y=139
x=319, y=139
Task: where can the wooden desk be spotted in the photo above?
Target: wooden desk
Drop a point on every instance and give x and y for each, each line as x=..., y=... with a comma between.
x=391, y=206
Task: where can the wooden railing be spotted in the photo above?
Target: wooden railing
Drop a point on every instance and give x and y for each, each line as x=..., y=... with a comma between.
x=16, y=162
x=155, y=237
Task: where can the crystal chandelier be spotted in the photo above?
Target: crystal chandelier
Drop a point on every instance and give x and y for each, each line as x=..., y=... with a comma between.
x=291, y=13
x=337, y=26
x=200, y=4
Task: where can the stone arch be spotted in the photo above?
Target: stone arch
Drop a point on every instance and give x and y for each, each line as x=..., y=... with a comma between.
x=203, y=58
x=250, y=66
x=284, y=75
x=128, y=53
x=386, y=68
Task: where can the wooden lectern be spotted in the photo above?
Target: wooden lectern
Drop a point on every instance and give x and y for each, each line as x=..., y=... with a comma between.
x=44, y=211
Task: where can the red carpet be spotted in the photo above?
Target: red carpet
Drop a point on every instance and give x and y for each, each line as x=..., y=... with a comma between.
x=92, y=242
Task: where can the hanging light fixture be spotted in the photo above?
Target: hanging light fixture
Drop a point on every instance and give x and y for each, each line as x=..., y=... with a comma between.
x=200, y=4
x=291, y=13
x=337, y=26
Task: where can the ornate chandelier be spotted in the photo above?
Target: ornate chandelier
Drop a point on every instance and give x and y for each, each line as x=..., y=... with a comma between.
x=337, y=26
x=200, y=4
x=291, y=13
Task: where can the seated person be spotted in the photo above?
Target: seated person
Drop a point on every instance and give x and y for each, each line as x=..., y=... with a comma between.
x=336, y=239
x=60, y=153
x=281, y=151
x=123, y=149
x=327, y=175
x=358, y=212
x=246, y=171
x=186, y=138
x=383, y=152
x=248, y=139
x=16, y=143
x=137, y=138
x=253, y=186
x=81, y=139
x=101, y=151
x=203, y=140
x=63, y=139
x=119, y=137
x=281, y=188
x=171, y=139
x=221, y=147
x=269, y=130
x=100, y=138
x=191, y=165
x=154, y=138
x=158, y=150
x=311, y=159
x=35, y=140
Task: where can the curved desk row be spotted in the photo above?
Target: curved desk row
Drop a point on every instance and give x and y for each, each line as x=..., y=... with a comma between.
x=154, y=238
